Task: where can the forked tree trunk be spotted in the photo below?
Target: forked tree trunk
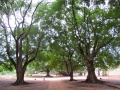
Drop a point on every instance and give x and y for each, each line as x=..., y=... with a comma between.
x=20, y=69
x=67, y=67
x=91, y=77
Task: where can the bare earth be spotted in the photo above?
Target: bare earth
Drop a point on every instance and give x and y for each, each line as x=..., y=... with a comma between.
x=59, y=83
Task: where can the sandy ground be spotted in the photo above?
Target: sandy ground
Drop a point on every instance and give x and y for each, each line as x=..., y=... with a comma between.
x=59, y=83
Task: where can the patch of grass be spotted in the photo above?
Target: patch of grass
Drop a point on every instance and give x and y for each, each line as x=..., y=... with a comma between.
x=28, y=75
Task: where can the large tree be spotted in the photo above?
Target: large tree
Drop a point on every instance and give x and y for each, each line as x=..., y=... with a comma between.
x=94, y=29
x=20, y=30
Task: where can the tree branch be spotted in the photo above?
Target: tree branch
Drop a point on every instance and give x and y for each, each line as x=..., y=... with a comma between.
x=32, y=18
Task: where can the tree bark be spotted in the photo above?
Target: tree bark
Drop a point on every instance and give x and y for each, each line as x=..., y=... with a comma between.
x=71, y=70
x=71, y=76
x=20, y=76
x=48, y=72
x=20, y=69
x=91, y=77
x=67, y=67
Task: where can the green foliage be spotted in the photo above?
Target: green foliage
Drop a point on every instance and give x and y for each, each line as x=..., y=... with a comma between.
x=63, y=27
x=28, y=74
x=6, y=69
x=96, y=27
x=45, y=60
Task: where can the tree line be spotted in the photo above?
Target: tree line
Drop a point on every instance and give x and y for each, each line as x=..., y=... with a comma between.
x=63, y=35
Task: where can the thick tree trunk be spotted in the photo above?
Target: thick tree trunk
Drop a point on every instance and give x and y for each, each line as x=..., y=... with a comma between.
x=20, y=70
x=48, y=72
x=91, y=77
x=20, y=76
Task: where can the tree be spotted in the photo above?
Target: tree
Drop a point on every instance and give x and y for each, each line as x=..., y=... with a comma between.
x=93, y=33
x=18, y=31
x=47, y=62
x=65, y=47
x=62, y=40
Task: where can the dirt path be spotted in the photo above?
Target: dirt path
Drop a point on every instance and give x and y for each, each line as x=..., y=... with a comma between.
x=34, y=85
x=59, y=84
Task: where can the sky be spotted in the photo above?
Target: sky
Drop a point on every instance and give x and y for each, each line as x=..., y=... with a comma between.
x=12, y=19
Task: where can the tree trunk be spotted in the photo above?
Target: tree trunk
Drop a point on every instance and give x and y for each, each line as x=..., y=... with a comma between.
x=91, y=77
x=71, y=69
x=48, y=73
x=71, y=75
x=20, y=76
x=20, y=70
x=67, y=67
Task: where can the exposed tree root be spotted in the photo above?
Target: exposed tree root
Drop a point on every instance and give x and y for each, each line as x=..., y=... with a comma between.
x=73, y=80
x=48, y=76
x=17, y=83
x=103, y=83
x=112, y=85
x=93, y=82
